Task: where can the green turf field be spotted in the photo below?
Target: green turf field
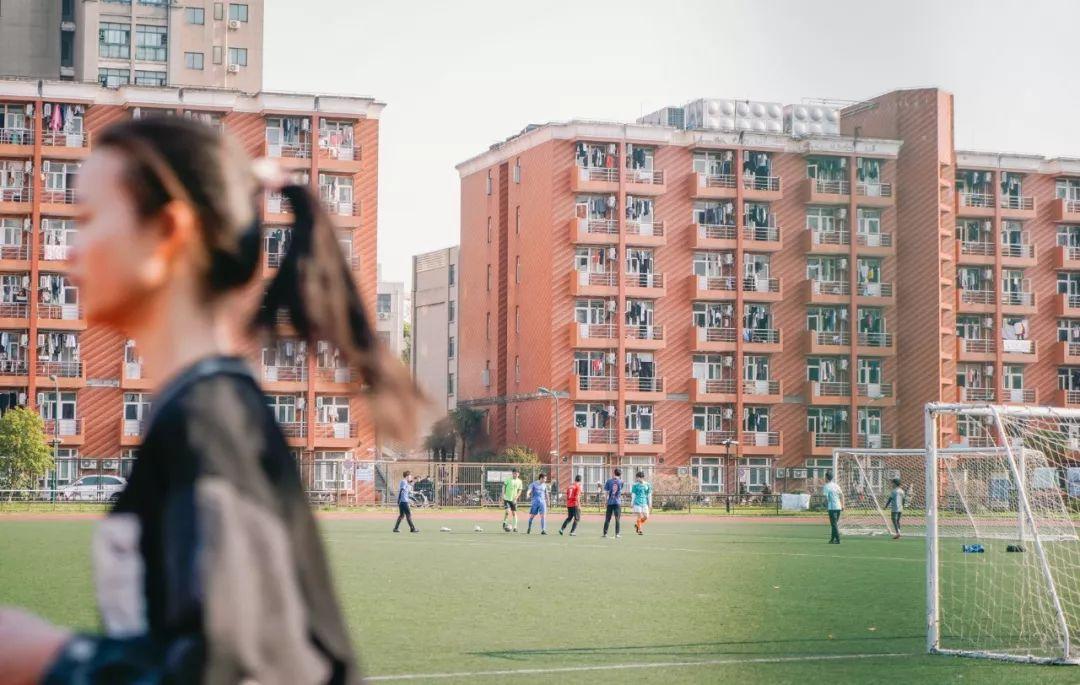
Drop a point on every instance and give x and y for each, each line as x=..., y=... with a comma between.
x=703, y=601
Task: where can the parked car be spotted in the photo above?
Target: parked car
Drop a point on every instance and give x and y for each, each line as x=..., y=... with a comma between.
x=94, y=489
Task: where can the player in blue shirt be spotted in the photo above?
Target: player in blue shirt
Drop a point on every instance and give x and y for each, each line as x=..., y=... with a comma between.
x=613, y=487
x=538, y=493
x=404, y=490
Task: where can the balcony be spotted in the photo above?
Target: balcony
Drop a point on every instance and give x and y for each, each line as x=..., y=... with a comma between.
x=880, y=294
x=1019, y=351
x=1068, y=305
x=278, y=209
x=827, y=242
x=756, y=443
x=714, y=236
x=14, y=256
x=60, y=145
x=977, y=395
x=874, y=344
x=345, y=214
x=273, y=260
x=644, y=234
x=594, y=231
x=646, y=337
x=335, y=434
x=70, y=431
x=50, y=252
x=638, y=388
x=290, y=155
x=594, y=179
x=762, y=238
x=332, y=375
x=976, y=301
x=976, y=350
x=593, y=336
x=16, y=142
x=69, y=374
x=133, y=377
x=1067, y=353
x=762, y=340
x=977, y=252
x=712, y=390
x=645, y=182
x=875, y=394
x=828, y=392
x=823, y=444
x=713, y=186
x=714, y=339
x=712, y=288
x=584, y=283
x=1067, y=398
x=1018, y=207
x=1066, y=257
x=62, y=316
x=595, y=440
x=762, y=392
x=13, y=314
x=821, y=192
x=1065, y=211
x=340, y=158
x=594, y=388
x=975, y=205
x=715, y=442
x=284, y=378
x=15, y=200
x=828, y=292
x=1018, y=302
x=874, y=194
x=1019, y=396
x=761, y=188
x=131, y=431
x=875, y=441
x=1022, y=254
x=637, y=441
x=59, y=202
x=762, y=289
x=13, y=371
x=875, y=244
x=828, y=342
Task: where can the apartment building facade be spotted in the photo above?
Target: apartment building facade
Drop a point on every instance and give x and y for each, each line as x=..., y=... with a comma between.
x=198, y=43
x=390, y=314
x=97, y=404
x=435, y=330
x=742, y=297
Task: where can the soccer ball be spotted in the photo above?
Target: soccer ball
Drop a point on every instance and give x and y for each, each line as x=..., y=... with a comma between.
x=506, y=527
x=478, y=529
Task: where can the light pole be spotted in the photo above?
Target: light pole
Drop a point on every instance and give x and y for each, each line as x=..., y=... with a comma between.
x=56, y=434
x=727, y=461
x=555, y=396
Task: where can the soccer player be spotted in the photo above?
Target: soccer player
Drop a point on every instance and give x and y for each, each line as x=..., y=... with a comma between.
x=640, y=501
x=896, y=501
x=511, y=491
x=538, y=493
x=613, y=487
x=404, y=512
x=573, y=510
x=834, y=501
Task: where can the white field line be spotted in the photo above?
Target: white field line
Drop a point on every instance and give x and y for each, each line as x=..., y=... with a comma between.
x=629, y=666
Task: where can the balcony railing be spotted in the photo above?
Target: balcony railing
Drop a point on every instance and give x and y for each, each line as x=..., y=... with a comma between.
x=708, y=437
x=721, y=283
x=274, y=259
x=132, y=427
x=976, y=296
x=761, y=438
x=873, y=189
x=337, y=430
x=875, y=289
x=874, y=390
x=1018, y=202
x=768, y=183
x=977, y=394
x=1018, y=251
x=59, y=196
x=595, y=436
x=711, y=334
x=831, y=287
x=63, y=427
x=874, y=441
x=644, y=280
x=293, y=150
x=1025, y=395
x=717, y=180
x=831, y=187
x=1017, y=298
x=874, y=239
x=832, y=389
x=602, y=174
x=977, y=249
x=343, y=208
x=831, y=337
x=18, y=252
x=977, y=345
x=979, y=200
x=293, y=429
x=866, y=339
x=643, y=384
x=1071, y=396
x=13, y=310
x=761, y=335
x=761, y=233
x=345, y=153
x=766, y=387
x=832, y=439
x=597, y=330
x=598, y=226
x=13, y=367
x=52, y=252
x=716, y=386
x=840, y=237
x=333, y=374
x=15, y=194
x=59, y=368
x=16, y=136
x=596, y=279
x=761, y=284
x=64, y=312
x=1072, y=301
x=716, y=231
x=288, y=374
x=61, y=139
x=647, y=332
x=639, y=228
x=598, y=383
x=646, y=176
x=639, y=436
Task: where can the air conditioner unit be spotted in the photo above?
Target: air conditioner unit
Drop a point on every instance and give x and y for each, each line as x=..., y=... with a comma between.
x=728, y=412
x=989, y=369
x=88, y=464
x=988, y=322
x=798, y=473
x=683, y=471
x=234, y=68
x=729, y=258
x=234, y=24
x=781, y=473
x=384, y=316
x=110, y=464
x=988, y=225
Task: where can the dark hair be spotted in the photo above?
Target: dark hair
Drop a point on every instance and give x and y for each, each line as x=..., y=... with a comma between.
x=176, y=159
x=515, y=471
x=828, y=475
x=618, y=472
x=406, y=474
x=542, y=476
x=896, y=481
x=577, y=478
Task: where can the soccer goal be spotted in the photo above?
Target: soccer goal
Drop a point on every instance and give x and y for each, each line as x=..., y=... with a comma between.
x=1002, y=550
x=866, y=476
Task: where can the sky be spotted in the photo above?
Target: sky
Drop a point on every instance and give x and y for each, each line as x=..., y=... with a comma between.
x=460, y=75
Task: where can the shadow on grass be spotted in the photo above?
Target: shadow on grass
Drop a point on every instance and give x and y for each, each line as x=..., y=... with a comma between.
x=690, y=649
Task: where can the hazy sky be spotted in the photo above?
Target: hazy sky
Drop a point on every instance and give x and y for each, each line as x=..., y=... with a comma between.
x=459, y=75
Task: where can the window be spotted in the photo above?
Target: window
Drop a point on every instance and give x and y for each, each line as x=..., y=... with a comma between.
x=516, y=430
x=708, y=473
x=193, y=60
x=238, y=56
x=333, y=409
x=754, y=474
x=489, y=278
x=219, y=11
x=517, y=369
x=450, y=275
x=217, y=54
x=151, y=43
x=330, y=471
x=450, y=347
x=195, y=15
x=287, y=409
x=487, y=189
x=486, y=376
x=238, y=12
x=517, y=220
x=114, y=40
x=590, y=467
x=517, y=170
x=487, y=326
x=816, y=468
x=67, y=49
x=517, y=269
x=450, y=312
x=383, y=305
x=149, y=78
x=489, y=233
x=449, y=384
x=517, y=319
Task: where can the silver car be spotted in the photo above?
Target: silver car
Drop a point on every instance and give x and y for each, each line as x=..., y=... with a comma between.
x=94, y=489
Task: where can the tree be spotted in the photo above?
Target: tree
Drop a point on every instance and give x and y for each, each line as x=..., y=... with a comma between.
x=406, y=348
x=24, y=452
x=442, y=440
x=518, y=454
x=469, y=426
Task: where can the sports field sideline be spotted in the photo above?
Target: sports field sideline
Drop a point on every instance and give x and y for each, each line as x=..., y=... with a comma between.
x=696, y=600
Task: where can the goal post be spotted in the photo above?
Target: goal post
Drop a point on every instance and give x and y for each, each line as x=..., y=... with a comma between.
x=865, y=477
x=1002, y=544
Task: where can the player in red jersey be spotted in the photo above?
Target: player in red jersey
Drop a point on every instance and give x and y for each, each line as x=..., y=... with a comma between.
x=573, y=511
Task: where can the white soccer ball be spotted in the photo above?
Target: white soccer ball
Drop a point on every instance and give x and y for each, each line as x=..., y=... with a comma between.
x=478, y=529
x=506, y=527
x=444, y=529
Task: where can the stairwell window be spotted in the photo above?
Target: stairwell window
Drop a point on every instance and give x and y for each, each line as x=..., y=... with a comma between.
x=487, y=326
x=450, y=347
x=517, y=170
x=489, y=230
x=517, y=220
x=517, y=269
x=517, y=319
x=219, y=11
x=487, y=189
x=451, y=311
x=517, y=369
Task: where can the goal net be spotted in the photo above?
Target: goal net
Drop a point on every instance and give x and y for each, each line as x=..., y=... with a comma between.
x=867, y=478
x=1003, y=554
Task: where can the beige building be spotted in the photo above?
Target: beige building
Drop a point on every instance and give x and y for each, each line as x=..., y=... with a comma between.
x=434, y=328
x=198, y=43
x=390, y=314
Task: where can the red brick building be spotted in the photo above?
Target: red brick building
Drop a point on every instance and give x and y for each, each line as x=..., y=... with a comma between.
x=754, y=285
x=46, y=129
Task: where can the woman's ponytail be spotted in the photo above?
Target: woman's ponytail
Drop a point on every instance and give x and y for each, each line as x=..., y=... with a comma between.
x=314, y=288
